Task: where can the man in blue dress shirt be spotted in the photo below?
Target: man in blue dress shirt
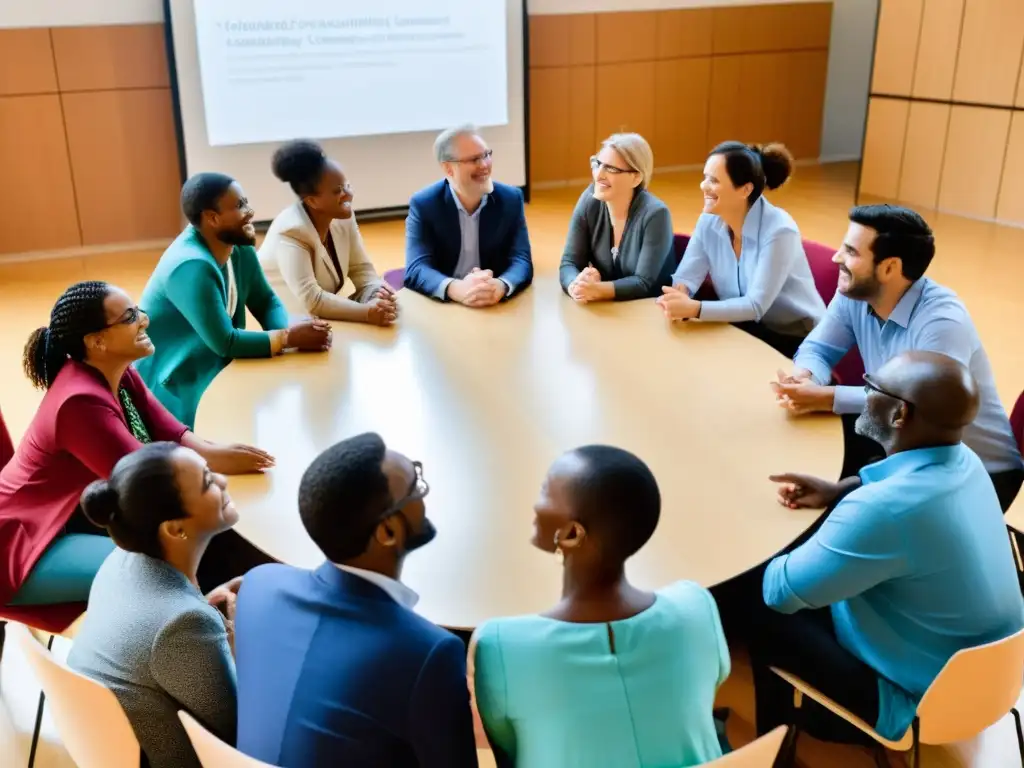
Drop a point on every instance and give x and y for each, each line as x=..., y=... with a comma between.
x=885, y=306
x=911, y=566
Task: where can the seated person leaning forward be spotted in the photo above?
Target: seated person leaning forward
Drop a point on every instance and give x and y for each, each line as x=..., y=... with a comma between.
x=751, y=250
x=912, y=565
x=96, y=410
x=197, y=297
x=465, y=236
x=885, y=305
x=619, y=245
x=316, y=245
x=334, y=667
x=611, y=675
x=150, y=635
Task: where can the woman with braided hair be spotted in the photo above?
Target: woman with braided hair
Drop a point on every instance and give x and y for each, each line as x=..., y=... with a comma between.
x=95, y=411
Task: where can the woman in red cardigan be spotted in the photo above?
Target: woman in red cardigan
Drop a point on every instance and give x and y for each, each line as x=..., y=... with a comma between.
x=96, y=410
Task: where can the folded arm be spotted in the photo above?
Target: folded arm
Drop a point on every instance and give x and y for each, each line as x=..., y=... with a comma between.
x=264, y=304
x=420, y=273
x=655, y=250
x=194, y=289
x=773, y=269
x=824, y=347
x=577, y=254
x=856, y=548
x=519, y=273
x=295, y=263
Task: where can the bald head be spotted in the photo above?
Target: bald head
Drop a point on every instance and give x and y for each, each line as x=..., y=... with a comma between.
x=919, y=399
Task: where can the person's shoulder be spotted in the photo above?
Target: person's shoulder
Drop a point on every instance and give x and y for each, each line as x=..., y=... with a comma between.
x=272, y=578
x=688, y=599
x=507, y=192
x=777, y=220
x=291, y=222
x=428, y=195
x=521, y=631
x=938, y=298
x=77, y=384
x=651, y=203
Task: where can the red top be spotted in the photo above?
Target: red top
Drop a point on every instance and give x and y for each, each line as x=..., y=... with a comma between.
x=78, y=434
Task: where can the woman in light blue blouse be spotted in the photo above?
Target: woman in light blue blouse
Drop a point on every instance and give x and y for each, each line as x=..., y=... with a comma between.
x=751, y=250
x=611, y=675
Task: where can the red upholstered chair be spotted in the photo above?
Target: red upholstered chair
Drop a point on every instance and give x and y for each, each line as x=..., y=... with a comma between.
x=850, y=369
x=707, y=291
x=1017, y=421
x=6, y=444
x=395, y=278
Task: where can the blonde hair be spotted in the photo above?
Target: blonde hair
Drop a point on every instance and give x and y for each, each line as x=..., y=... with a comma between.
x=637, y=153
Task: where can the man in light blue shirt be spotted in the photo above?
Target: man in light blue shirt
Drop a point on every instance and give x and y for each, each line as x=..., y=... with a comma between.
x=911, y=566
x=885, y=306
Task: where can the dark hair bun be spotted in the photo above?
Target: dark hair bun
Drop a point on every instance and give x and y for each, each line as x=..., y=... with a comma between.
x=100, y=503
x=777, y=162
x=298, y=162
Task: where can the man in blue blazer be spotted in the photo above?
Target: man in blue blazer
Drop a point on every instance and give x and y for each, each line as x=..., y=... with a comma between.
x=465, y=236
x=334, y=668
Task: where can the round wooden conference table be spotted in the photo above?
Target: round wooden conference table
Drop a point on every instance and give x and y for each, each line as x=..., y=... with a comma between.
x=487, y=399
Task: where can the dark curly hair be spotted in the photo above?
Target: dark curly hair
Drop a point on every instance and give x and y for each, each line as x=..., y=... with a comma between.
x=300, y=163
x=78, y=312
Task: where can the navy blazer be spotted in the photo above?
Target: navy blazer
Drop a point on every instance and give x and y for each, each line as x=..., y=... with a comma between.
x=332, y=671
x=433, y=238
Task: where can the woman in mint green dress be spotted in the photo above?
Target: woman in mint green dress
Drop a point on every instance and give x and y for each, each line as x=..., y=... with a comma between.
x=611, y=676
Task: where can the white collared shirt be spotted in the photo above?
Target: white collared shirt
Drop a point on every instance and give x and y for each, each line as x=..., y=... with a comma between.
x=396, y=590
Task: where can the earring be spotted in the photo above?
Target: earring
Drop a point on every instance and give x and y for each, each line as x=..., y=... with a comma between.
x=559, y=552
x=182, y=535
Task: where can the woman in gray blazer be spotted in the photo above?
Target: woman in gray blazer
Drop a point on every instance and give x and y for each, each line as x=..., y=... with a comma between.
x=620, y=238
x=150, y=635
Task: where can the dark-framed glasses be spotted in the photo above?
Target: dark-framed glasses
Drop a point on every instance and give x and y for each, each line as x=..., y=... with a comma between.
x=483, y=157
x=131, y=316
x=597, y=165
x=871, y=386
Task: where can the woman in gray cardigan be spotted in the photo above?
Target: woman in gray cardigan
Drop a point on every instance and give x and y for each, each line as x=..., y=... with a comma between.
x=620, y=238
x=150, y=635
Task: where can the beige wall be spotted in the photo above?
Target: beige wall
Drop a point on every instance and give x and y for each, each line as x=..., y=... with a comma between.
x=946, y=115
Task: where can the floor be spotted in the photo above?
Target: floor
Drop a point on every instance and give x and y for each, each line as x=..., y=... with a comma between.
x=981, y=261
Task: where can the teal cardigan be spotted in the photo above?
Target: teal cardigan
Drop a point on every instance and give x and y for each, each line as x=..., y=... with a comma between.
x=186, y=299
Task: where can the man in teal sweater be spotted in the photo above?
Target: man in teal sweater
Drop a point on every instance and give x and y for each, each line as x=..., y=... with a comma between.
x=197, y=297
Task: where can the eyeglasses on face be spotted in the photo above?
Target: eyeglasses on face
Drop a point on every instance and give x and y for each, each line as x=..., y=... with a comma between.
x=483, y=157
x=614, y=170
x=418, y=489
x=871, y=386
x=131, y=316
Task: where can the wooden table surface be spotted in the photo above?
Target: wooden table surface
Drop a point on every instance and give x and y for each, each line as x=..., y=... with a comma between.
x=488, y=399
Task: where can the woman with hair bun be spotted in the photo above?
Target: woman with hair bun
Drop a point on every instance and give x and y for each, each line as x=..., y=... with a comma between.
x=95, y=411
x=150, y=635
x=316, y=244
x=751, y=250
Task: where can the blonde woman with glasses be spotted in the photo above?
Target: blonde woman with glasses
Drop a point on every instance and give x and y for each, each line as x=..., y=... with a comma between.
x=619, y=245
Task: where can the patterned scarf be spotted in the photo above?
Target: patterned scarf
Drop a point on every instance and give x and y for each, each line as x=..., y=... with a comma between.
x=135, y=423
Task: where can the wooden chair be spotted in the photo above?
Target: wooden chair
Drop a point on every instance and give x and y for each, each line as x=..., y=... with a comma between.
x=975, y=689
x=212, y=752
x=91, y=723
x=760, y=753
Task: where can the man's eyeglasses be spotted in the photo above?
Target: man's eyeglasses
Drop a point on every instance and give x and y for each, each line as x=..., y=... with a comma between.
x=597, y=165
x=871, y=386
x=481, y=158
x=131, y=316
x=418, y=489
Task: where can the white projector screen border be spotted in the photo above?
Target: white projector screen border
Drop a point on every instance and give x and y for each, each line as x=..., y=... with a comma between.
x=384, y=170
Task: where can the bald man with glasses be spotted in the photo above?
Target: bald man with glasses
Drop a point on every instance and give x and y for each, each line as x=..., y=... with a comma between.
x=911, y=565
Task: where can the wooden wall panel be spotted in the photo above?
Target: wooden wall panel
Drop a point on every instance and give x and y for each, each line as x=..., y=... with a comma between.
x=1011, y=192
x=684, y=32
x=582, y=134
x=899, y=23
x=971, y=178
x=883, y=147
x=1020, y=86
x=125, y=164
x=765, y=28
x=26, y=62
x=727, y=113
x=630, y=36
x=37, y=202
x=682, y=92
x=923, y=150
x=803, y=88
x=549, y=123
x=991, y=41
x=937, y=51
x=97, y=58
x=562, y=40
x=625, y=98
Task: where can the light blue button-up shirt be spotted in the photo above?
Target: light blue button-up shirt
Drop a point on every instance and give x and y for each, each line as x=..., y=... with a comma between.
x=469, y=254
x=929, y=317
x=770, y=283
x=915, y=565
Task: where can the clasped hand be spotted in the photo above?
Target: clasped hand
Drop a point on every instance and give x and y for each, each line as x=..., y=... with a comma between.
x=805, y=492
x=676, y=304
x=312, y=335
x=382, y=307
x=480, y=288
x=798, y=393
x=584, y=287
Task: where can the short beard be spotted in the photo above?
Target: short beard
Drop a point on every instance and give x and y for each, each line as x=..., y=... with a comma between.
x=863, y=289
x=236, y=237
x=873, y=430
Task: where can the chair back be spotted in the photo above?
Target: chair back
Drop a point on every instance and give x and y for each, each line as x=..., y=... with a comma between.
x=93, y=727
x=54, y=619
x=395, y=278
x=1017, y=421
x=212, y=752
x=849, y=370
x=976, y=688
x=679, y=243
x=6, y=444
x=760, y=753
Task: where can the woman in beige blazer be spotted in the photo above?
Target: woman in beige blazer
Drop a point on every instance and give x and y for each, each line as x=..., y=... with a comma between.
x=316, y=244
